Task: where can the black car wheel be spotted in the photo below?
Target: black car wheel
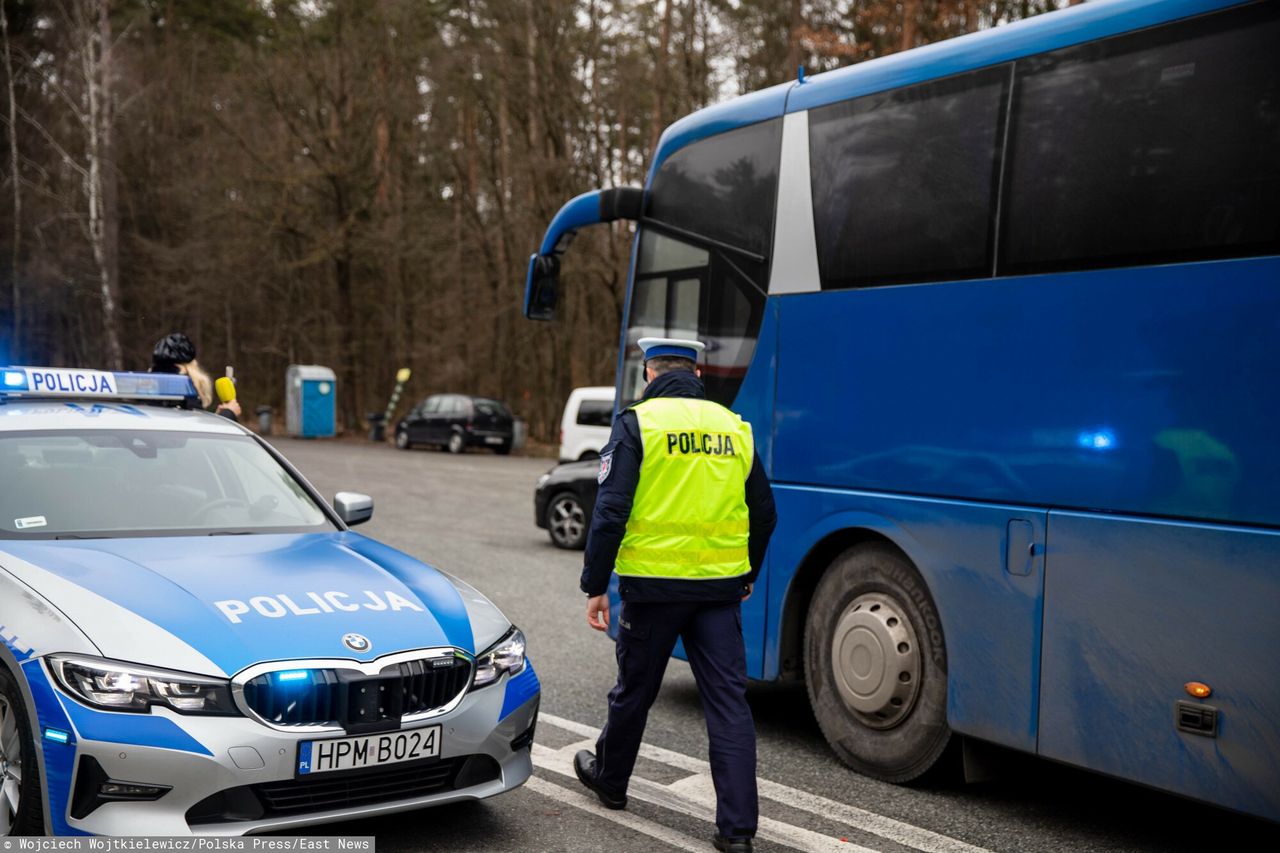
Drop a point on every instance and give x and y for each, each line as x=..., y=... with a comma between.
x=876, y=664
x=567, y=521
x=457, y=443
x=21, y=808
x=402, y=440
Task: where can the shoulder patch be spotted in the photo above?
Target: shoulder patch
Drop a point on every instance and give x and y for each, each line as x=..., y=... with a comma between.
x=606, y=465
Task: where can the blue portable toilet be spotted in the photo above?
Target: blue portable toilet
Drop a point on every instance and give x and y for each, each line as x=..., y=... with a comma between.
x=311, y=396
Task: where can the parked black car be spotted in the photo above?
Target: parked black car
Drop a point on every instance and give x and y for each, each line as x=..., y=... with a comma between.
x=456, y=422
x=563, y=502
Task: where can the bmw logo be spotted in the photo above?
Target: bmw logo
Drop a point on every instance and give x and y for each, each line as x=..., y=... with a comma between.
x=356, y=642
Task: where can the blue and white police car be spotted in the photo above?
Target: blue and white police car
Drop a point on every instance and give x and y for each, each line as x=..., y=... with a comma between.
x=193, y=641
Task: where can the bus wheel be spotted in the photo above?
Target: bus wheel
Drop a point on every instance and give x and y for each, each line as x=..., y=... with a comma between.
x=876, y=665
x=21, y=809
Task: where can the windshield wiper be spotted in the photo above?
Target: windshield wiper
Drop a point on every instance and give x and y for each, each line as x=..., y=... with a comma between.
x=230, y=533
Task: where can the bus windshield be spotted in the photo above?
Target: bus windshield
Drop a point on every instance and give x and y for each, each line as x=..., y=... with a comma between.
x=684, y=291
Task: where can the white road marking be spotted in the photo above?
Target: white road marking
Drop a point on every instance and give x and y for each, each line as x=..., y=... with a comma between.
x=694, y=790
x=797, y=838
x=642, y=825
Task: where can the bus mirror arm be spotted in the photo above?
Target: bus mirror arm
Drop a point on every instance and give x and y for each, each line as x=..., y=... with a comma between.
x=541, y=292
x=621, y=203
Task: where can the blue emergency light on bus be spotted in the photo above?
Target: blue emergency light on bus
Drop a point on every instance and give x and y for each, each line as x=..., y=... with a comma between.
x=68, y=382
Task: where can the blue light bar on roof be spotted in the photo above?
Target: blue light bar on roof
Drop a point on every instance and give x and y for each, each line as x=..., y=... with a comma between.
x=67, y=382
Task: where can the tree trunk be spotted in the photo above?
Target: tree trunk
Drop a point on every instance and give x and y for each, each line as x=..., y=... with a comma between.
x=104, y=220
x=660, y=79
x=15, y=301
x=910, y=19
x=794, y=29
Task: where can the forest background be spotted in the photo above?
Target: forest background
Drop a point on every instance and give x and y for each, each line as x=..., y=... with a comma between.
x=359, y=183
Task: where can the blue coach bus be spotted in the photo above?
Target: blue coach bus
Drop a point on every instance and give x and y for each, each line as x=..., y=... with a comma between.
x=1004, y=314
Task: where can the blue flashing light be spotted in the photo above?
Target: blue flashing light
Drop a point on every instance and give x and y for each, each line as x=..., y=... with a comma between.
x=162, y=385
x=57, y=735
x=1100, y=440
x=294, y=675
x=15, y=379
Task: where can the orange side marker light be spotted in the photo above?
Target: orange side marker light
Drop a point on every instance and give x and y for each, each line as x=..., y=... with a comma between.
x=1198, y=689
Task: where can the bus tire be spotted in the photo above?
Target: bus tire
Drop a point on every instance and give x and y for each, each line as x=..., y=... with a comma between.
x=21, y=767
x=876, y=664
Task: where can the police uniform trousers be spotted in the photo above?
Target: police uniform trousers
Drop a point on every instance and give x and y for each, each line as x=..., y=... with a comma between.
x=712, y=634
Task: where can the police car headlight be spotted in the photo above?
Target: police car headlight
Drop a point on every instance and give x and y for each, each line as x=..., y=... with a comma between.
x=507, y=655
x=118, y=686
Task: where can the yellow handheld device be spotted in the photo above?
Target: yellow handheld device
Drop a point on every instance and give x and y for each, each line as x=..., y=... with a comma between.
x=226, y=389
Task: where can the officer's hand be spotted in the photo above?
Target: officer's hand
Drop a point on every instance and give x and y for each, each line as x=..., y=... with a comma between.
x=748, y=593
x=598, y=612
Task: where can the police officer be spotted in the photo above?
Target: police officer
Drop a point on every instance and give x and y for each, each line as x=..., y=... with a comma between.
x=684, y=515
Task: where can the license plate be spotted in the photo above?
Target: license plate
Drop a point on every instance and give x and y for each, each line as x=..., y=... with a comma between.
x=353, y=753
x=493, y=439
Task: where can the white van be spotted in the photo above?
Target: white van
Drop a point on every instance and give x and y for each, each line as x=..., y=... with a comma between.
x=585, y=425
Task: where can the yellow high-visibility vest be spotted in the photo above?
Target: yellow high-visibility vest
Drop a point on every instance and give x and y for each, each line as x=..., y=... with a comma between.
x=689, y=518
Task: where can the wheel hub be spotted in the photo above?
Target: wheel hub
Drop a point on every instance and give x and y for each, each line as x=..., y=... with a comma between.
x=876, y=660
x=567, y=519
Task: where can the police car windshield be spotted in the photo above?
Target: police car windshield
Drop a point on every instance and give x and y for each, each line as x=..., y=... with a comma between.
x=116, y=483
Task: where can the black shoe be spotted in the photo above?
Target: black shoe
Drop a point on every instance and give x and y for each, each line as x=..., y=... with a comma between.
x=732, y=845
x=584, y=764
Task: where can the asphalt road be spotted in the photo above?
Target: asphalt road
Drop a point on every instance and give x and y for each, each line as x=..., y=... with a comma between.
x=472, y=515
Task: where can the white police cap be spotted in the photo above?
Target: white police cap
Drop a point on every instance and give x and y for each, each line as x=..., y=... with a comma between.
x=657, y=347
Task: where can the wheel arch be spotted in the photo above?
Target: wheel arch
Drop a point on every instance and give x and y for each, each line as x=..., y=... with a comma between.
x=839, y=535
x=802, y=586
x=10, y=662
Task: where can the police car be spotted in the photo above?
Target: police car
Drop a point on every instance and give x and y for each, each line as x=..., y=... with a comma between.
x=193, y=641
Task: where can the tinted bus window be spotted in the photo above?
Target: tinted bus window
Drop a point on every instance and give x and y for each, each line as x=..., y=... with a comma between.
x=1107, y=167
x=904, y=181
x=723, y=188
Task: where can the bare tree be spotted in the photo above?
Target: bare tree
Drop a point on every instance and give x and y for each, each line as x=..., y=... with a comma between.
x=93, y=25
x=15, y=251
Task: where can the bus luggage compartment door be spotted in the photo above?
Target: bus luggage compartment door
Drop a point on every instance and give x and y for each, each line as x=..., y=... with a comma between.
x=1135, y=610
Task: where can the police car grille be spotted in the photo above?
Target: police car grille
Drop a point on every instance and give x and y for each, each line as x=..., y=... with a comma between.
x=349, y=698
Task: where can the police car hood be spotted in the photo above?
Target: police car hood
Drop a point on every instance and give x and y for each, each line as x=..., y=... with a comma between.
x=221, y=603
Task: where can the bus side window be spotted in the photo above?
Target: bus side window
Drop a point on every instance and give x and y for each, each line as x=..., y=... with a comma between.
x=904, y=182
x=723, y=187
x=1105, y=168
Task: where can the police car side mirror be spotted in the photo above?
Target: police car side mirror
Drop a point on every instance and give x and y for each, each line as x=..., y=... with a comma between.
x=353, y=508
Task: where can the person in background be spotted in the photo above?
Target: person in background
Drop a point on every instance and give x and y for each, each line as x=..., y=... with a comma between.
x=175, y=353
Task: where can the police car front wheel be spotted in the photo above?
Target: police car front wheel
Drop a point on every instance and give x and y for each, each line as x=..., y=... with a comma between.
x=21, y=809
x=876, y=664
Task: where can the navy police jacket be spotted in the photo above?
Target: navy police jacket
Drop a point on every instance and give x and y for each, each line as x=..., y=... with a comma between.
x=620, y=467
